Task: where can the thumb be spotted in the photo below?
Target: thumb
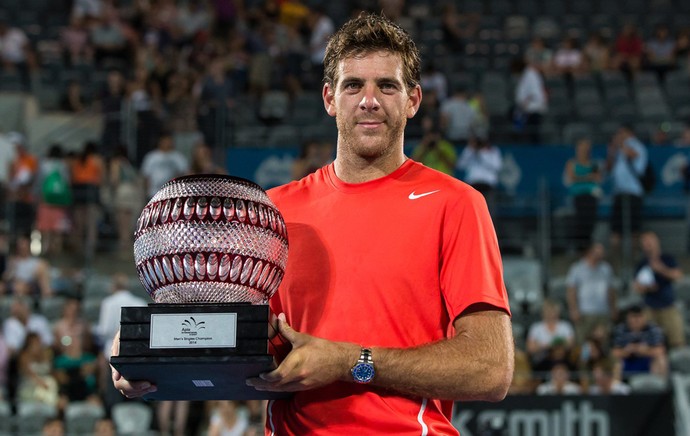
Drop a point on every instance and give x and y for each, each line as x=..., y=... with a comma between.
x=285, y=330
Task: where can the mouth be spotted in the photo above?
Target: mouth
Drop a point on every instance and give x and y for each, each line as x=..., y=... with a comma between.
x=369, y=124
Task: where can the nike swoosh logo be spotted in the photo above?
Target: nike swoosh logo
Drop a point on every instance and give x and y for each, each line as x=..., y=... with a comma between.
x=414, y=196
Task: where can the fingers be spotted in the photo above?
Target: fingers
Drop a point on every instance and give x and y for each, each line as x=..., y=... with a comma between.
x=131, y=389
x=285, y=330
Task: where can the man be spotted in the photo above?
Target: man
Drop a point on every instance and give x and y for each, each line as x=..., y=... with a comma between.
x=639, y=344
x=23, y=321
x=590, y=292
x=627, y=160
x=654, y=280
x=109, y=323
x=163, y=164
x=389, y=321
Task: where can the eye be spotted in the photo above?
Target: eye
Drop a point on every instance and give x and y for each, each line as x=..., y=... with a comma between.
x=388, y=87
x=351, y=86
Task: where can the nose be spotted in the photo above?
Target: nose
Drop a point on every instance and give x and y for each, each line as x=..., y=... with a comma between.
x=369, y=100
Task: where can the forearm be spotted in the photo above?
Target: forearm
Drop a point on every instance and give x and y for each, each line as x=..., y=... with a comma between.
x=476, y=364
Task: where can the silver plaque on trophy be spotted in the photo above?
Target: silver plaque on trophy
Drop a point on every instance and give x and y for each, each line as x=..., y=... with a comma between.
x=210, y=250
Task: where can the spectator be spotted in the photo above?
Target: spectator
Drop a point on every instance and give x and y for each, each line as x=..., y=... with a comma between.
x=76, y=366
x=73, y=99
x=162, y=164
x=628, y=50
x=108, y=324
x=539, y=56
x=88, y=175
x=88, y=8
x=21, y=323
x=314, y=154
x=203, y=161
x=71, y=330
x=591, y=295
x=227, y=419
x=593, y=349
x=597, y=53
x=434, y=150
x=457, y=117
x=559, y=383
x=4, y=368
x=654, y=279
x=7, y=156
x=16, y=53
x=322, y=27
x=193, y=20
x=684, y=139
x=639, y=344
x=127, y=187
x=56, y=196
x=178, y=411
x=105, y=427
x=214, y=94
x=76, y=46
x=21, y=195
x=482, y=162
x=144, y=99
x=627, y=160
x=180, y=105
x=26, y=274
x=109, y=38
x=549, y=335
x=53, y=427
x=660, y=52
x=607, y=381
x=530, y=101
x=111, y=101
x=682, y=53
x=583, y=178
x=35, y=365
x=433, y=80
x=569, y=59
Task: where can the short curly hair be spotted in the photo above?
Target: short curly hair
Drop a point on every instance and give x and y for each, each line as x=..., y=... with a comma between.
x=366, y=34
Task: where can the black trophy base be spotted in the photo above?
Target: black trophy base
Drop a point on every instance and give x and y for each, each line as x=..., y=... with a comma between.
x=199, y=378
x=196, y=352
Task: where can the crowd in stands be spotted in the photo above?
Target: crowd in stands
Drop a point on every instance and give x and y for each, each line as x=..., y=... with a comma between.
x=199, y=66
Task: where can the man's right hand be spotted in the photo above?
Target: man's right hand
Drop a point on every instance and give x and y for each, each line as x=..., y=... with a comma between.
x=130, y=389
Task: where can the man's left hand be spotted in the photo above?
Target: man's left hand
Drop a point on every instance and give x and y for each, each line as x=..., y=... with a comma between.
x=312, y=363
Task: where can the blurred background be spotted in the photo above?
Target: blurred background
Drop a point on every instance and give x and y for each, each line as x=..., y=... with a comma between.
x=572, y=117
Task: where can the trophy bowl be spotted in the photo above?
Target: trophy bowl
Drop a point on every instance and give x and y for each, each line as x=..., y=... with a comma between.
x=210, y=239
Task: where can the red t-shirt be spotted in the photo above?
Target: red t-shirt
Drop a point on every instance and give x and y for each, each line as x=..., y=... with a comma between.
x=388, y=263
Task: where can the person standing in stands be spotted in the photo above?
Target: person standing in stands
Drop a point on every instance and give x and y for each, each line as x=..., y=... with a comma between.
x=88, y=174
x=656, y=273
x=583, y=178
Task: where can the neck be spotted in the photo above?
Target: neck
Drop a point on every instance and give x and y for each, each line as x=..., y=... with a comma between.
x=357, y=169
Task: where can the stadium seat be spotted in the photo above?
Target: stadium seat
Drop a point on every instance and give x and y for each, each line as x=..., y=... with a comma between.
x=132, y=418
x=679, y=359
x=32, y=416
x=647, y=383
x=576, y=130
x=283, y=136
x=81, y=417
x=51, y=307
x=6, y=419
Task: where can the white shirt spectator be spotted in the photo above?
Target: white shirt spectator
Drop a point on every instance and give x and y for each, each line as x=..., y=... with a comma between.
x=15, y=332
x=592, y=284
x=12, y=45
x=542, y=335
x=109, y=316
x=530, y=94
x=7, y=155
x=481, y=165
x=323, y=29
x=458, y=118
x=160, y=166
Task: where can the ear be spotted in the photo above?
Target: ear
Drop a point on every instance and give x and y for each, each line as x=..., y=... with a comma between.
x=414, y=100
x=328, y=94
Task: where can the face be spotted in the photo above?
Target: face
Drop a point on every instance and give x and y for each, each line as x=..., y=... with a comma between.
x=371, y=105
x=583, y=149
x=649, y=243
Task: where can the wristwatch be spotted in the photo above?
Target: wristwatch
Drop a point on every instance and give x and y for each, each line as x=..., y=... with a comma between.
x=363, y=371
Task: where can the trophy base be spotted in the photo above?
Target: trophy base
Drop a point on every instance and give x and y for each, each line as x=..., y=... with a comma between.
x=203, y=351
x=199, y=378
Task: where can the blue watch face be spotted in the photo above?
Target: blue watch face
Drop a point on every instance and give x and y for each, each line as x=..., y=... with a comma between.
x=363, y=372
